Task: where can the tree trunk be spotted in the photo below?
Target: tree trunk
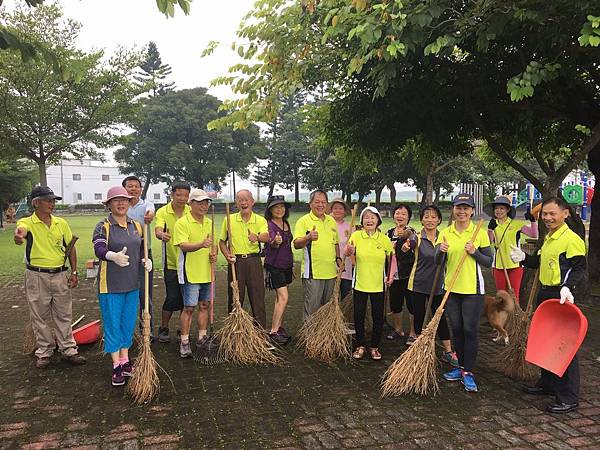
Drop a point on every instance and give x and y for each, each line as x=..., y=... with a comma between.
x=428, y=197
x=296, y=186
x=436, y=199
x=42, y=171
x=593, y=160
x=146, y=187
x=232, y=182
x=392, y=189
x=349, y=197
x=271, y=189
x=378, y=191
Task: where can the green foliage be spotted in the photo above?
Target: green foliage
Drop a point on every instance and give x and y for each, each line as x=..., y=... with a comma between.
x=47, y=117
x=17, y=176
x=590, y=33
x=171, y=141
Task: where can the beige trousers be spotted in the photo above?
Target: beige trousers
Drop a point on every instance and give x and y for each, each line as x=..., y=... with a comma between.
x=50, y=308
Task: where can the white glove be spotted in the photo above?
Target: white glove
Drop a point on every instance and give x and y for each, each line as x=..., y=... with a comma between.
x=147, y=264
x=516, y=254
x=119, y=258
x=566, y=295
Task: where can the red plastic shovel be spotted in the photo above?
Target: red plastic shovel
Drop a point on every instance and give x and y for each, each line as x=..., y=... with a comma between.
x=555, y=334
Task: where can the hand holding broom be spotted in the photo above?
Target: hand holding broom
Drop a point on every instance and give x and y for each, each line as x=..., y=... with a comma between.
x=414, y=371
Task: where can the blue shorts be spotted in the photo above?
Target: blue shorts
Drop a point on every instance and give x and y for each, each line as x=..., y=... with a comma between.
x=195, y=292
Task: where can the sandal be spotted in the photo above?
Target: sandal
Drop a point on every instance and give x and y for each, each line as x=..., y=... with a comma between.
x=358, y=353
x=375, y=355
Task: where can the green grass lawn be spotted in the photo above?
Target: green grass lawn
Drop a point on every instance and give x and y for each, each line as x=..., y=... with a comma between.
x=83, y=226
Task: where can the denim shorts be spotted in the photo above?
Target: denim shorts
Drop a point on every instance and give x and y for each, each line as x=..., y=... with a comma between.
x=195, y=292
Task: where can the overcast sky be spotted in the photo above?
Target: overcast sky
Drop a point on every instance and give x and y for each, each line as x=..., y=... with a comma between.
x=180, y=40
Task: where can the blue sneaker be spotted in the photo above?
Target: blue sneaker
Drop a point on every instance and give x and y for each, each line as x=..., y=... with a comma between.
x=454, y=375
x=469, y=382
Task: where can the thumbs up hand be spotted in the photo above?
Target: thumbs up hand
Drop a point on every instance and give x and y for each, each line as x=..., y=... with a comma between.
x=313, y=235
x=206, y=243
x=252, y=237
x=120, y=258
x=444, y=245
x=278, y=239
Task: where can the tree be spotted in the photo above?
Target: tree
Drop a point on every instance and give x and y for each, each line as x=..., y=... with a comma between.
x=171, y=141
x=153, y=73
x=288, y=149
x=17, y=176
x=45, y=117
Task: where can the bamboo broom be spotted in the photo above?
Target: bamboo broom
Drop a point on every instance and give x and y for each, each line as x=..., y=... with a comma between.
x=323, y=334
x=144, y=384
x=415, y=370
x=512, y=357
x=240, y=340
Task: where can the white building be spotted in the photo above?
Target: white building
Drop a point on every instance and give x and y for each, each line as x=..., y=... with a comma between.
x=88, y=181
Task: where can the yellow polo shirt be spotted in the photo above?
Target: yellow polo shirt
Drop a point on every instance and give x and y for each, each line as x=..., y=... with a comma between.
x=505, y=235
x=166, y=216
x=371, y=251
x=319, y=256
x=240, y=244
x=45, y=246
x=562, y=244
x=192, y=267
x=470, y=278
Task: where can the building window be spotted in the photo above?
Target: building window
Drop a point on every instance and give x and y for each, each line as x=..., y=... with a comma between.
x=97, y=196
x=76, y=177
x=105, y=177
x=156, y=196
x=79, y=196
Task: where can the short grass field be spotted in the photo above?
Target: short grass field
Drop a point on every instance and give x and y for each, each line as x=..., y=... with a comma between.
x=83, y=226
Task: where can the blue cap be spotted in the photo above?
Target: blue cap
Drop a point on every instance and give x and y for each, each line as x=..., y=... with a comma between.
x=463, y=199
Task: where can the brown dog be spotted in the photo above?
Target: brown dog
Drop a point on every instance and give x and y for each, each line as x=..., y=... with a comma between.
x=497, y=309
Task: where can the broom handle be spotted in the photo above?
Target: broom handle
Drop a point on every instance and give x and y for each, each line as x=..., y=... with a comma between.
x=146, y=273
x=352, y=220
x=463, y=258
x=233, y=275
x=436, y=277
x=212, y=267
x=532, y=293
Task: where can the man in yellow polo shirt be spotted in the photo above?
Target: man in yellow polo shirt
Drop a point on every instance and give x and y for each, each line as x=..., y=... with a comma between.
x=562, y=265
x=165, y=225
x=248, y=230
x=316, y=232
x=46, y=284
x=193, y=237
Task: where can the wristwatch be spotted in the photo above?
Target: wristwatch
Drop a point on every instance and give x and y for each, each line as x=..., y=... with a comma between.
x=74, y=272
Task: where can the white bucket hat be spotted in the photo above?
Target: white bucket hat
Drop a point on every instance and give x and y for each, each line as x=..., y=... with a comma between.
x=373, y=210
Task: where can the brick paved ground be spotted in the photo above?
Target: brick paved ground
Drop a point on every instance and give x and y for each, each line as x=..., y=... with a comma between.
x=303, y=404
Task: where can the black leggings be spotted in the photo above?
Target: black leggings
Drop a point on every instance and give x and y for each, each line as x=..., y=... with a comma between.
x=398, y=292
x=464, y=312
x=360, y=310
x=417, y=304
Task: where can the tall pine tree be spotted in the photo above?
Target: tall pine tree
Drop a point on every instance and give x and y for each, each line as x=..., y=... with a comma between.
x=153, y=73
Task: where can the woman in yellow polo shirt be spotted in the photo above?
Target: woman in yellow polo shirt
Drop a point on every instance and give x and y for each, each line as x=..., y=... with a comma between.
x=562, y=265
x=369, y=247
x=504, y=232
x=465, y=303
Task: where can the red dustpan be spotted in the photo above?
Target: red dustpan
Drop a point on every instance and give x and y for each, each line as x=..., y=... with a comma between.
x=555, y=334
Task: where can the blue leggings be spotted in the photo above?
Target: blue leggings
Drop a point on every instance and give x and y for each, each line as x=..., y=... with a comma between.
x=464, y=312
x=119, y=313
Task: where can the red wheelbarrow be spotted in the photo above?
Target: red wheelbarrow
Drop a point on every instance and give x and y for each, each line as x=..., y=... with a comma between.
x=555, y=334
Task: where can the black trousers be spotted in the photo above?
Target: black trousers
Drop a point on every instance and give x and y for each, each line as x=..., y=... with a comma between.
x=566, y=388
x=360, y=309
x=464, y=312
x=418, y=302
x=398, y=292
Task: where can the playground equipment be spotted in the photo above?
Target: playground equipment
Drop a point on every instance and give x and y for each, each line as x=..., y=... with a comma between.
x=577, y=190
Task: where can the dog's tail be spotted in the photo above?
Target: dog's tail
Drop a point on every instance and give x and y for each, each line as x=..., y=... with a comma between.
x=504, y=301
